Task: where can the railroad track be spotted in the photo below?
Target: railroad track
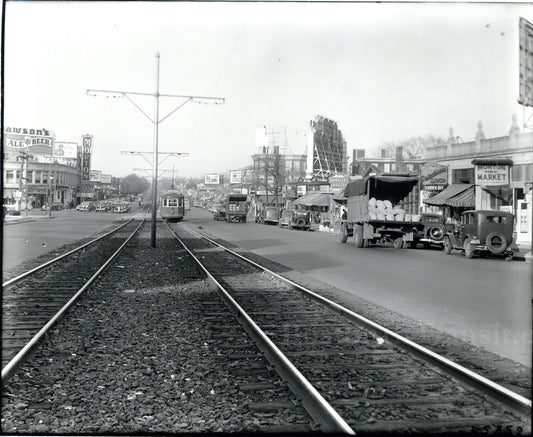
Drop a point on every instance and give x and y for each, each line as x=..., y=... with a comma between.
x=34, y=301
x=351, y=374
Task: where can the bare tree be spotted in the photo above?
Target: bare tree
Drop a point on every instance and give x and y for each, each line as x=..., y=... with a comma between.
x=413, y=147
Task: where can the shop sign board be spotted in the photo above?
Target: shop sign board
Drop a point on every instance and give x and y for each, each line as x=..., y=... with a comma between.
x=106, y=178
x=36, y=141
x=212, y=179
x=86, y=195
x=301, y=190
x=37, y=189
x=492, y=174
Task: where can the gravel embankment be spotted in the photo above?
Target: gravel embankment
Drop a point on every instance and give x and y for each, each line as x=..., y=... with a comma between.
x=138, y=354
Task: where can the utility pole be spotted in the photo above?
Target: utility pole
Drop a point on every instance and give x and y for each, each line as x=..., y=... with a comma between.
x=156, y=121
x=23, y=156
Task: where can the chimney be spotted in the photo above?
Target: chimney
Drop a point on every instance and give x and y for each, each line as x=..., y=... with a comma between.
x=399, y=159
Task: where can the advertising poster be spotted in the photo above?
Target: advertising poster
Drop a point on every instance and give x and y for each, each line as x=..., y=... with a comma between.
x=212, y=179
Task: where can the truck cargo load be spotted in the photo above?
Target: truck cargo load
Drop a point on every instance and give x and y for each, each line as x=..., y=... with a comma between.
x=373, y=210
x=236, y=207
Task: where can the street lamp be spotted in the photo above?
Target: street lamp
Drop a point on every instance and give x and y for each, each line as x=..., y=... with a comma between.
x=156, y=120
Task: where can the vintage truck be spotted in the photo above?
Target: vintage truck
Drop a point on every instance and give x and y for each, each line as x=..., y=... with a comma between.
x=371, y=214
x=236, y=208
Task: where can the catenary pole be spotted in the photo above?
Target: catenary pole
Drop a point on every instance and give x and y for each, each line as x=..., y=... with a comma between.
x=155, y=121
x=155, y=158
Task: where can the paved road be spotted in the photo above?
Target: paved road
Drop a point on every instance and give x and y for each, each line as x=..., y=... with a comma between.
x=484, y=301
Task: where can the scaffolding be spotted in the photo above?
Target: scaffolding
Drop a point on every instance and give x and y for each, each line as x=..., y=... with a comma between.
x=329, y=149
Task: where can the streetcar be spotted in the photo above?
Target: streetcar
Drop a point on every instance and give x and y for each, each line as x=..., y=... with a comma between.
x=172, y=206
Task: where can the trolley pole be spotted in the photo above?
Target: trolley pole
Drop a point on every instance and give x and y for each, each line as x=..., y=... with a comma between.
x=156, y=121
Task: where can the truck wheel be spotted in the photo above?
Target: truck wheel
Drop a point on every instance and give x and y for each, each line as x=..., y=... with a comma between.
x=358, y=235
x=398, y=243
x=467, y=246
x=344, y=233
x=300, y=222
x=447, y=245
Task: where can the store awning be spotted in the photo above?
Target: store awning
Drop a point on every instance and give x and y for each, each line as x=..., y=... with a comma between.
x=313, y=199
x=339, y=198
x=456, y=195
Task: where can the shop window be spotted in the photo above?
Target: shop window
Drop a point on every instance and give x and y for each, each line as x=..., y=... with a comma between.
x=10, y=176
x=29, y=176
x=463, y=176
x=37, y=177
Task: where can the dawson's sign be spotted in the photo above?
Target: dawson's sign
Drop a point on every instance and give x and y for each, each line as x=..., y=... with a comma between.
x=37, y=141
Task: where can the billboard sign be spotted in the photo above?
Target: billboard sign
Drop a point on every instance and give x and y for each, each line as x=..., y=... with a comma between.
x=95, y=175
x=63, y=149
x=36, y=141
x=525, y=63
x=87, y=144
x=235, y=177
x=106, y=178
x=212, y=179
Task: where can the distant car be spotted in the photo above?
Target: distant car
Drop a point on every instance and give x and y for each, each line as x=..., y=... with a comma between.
x=85, y=206
x=219, y=212
x=101, y=207
x=55, y=207
x=482, y=232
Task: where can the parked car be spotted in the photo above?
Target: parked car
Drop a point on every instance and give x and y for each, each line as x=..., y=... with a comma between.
x=101, y=207
x=297, y=218
x=219, y=212
x=269, y=216
x=482, y=232
x=433, y=232
x=284, y=218
x=55, y=207
x=85, y=206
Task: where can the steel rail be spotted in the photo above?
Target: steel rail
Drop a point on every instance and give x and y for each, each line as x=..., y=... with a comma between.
x=312, y=400
x=505, y=395
x=48, y=263
x=20, y=357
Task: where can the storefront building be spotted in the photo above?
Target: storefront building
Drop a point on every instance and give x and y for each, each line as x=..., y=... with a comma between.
x=497, y=171
x=38, y=169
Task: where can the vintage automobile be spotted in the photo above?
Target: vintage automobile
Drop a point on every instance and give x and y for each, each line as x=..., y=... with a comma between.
x=85, y=206
x=298, y=218
x=482, y=232
x=269, y=216
x=433, y=232
x=219, y=212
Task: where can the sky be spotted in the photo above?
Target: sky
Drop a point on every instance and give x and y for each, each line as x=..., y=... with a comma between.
x=383, y=71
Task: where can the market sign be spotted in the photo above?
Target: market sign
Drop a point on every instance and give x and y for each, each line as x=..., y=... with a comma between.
x=492, y=174
x=35, y=141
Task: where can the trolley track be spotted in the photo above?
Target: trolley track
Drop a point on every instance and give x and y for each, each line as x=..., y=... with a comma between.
x=360, y=372
x=34, y=301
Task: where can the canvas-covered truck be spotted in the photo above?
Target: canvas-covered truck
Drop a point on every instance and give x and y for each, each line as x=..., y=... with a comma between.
x=236, y=208
x=373, y=214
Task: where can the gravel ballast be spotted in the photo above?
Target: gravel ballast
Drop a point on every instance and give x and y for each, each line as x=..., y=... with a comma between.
x=138, y=354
